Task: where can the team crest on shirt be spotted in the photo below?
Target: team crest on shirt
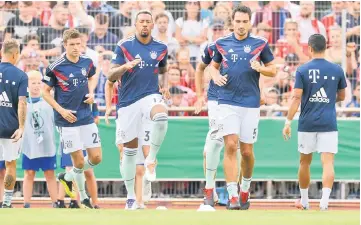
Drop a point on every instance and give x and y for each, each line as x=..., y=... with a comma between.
x=83, y=71
x=153, y=54
x=247, y=49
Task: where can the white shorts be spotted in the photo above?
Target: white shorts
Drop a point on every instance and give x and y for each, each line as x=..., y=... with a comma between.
x=213, y=111
x=9, y=151
x=238, y=120
x=309, y=142
x=79, y=138
x=131, y=119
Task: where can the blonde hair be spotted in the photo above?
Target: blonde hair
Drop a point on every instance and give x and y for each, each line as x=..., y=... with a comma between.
x=220, y=5
x=9, y=46
x=33, y=74
x=70, y=34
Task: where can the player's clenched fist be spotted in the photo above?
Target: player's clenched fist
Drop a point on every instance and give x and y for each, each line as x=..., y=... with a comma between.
x=287, y=132
x=256, y=65
x=132, y=64
x=68, y=115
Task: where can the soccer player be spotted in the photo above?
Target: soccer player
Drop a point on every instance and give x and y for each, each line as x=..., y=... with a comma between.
x=13, y=93
x=91, y=182
x=319, y=85
x=137, y=61
x=38, y=147
x=213, y=146
x=239, y=99
x=72, y=77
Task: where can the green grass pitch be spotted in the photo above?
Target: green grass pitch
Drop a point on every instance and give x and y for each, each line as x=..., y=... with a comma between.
x=175, y=217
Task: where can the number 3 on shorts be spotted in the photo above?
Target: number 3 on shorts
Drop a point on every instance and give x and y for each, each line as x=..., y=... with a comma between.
x=146, y=136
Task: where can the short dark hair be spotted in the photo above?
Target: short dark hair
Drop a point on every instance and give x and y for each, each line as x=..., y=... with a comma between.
x=242, y=9
x=102, y=18
x=83, y=30
x=143, y=12
x=317, y=42
x=30, y=37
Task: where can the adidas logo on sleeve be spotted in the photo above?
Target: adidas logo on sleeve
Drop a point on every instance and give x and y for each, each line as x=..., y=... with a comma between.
x=320, y=96
x=4, y=100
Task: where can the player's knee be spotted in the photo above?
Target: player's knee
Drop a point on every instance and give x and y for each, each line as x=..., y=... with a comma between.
x=231, y=147
x=96, y=159
x=79, y=164
x=305, y=162
x=10, y=166
x=247, y=153
x=29, y=174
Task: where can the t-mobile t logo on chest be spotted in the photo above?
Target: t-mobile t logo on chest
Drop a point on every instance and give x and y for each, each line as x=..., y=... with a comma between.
x=314, y=75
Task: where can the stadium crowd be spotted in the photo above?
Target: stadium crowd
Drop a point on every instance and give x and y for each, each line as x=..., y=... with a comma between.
x=187, y=27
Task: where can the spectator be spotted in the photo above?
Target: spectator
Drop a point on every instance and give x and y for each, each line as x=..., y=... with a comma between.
x=23, y=23
x=334, y=52
x=177, y=101
x=254, y=6
x=274, y=15
x=272, y=99
x=206, y=12
x=222, y=11
x=285, y=76
x=96, y=7
x=162, y=22
x=5, y=16
x=352, y=66
x=174, y=80
x=105, y=60
x=355, y=102
x=307, y=24
x=92, y=54
x=78, y=16
x=264, y=30
x=352, y=23
x=293, y=8
x=101, y=35
x=158, y=7
x=43, y=11
x=286, y=101
x=186, y=68
x=123, y=18
x=51, y=37
x=329, y=20
x=31, y=58
x=290, y=43
x=190, y=30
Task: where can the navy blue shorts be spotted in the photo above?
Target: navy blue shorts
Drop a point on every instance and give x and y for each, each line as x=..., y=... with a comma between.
x=43, y=163
x=2, y=165
x=66, y=159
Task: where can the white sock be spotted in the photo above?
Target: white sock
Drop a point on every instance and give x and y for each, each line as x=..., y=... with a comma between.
x=246, y=183
x=232, y=189
x=325, y=197
x=160, y=127
x=87, y=163
x=69, y=175
x=120, y=168
x=304, y=196
x=213, y=152
x=8, y=195
x=79, y=179
x=129, y=169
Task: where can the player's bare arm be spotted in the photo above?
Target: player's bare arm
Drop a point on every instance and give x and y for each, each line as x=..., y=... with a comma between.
x=22, y=117
x=92, y=83
x=341, y=94
x=116, y=71
x=215, y=75
x=109, y=86
x=269, y=69
x=66, y=114
x=165, y=89
x=199, y=87
x=296, y=101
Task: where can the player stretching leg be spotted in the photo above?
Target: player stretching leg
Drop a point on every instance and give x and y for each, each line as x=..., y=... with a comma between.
x=72, y=77
x=239, y=99
x=2, y=176
x=319, y=85
x=137, y=61
x=13, y=92
x=213, y=146
x=38, y=145
x=91, y=182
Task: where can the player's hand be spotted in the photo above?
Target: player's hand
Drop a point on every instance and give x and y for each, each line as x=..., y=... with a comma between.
x=219, y=79
x=287, y=132
x=132, y=64
x=256, y=65
x=68, y=115
x=17, y=134
x=165, y=93
x=199, y=104
x=90, y=99
x=108, y=111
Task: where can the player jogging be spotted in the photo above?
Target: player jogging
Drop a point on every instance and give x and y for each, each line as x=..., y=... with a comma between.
x=239, y=99
x=137, y=61
x=72, y=77
x=319, y=85
x=13, y=93
x=38, y=147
